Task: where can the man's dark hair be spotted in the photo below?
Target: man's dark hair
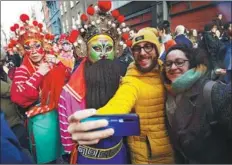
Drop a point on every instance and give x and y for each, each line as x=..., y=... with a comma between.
x=209, y=26
x=164, y=25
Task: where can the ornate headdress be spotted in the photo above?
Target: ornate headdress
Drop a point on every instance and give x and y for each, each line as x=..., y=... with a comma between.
x=99, y=20
x=28, y=30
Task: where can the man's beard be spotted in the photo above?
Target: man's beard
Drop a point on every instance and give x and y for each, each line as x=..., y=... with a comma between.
x=148, y=69
x=102, y=81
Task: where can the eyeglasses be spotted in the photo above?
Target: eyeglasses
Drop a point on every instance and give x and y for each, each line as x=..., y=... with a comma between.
x=178, y=62
x=147, y=48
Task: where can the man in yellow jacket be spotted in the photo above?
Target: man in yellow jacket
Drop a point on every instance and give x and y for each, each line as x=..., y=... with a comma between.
x=142, y=91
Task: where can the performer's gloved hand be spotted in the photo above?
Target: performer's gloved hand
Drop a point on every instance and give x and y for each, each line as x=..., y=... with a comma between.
x=44, y=68
x=80, y=131
x=51, y=59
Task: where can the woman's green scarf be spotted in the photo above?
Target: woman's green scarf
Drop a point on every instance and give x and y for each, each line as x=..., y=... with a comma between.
x=186, y=81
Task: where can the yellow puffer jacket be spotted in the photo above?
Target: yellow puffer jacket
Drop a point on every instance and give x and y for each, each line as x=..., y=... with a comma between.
x=143, y=93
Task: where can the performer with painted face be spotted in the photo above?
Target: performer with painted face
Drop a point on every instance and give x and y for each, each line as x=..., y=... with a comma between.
x=95, y=81
x=66, y=51
x=37, y=85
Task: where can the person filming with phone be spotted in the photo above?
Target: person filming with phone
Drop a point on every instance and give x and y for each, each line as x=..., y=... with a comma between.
x=141, y=91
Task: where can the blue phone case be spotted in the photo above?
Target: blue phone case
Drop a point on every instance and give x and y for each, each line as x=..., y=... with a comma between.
x=123, y=125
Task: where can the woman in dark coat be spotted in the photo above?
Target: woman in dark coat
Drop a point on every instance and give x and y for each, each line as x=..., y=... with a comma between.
x=198, y=111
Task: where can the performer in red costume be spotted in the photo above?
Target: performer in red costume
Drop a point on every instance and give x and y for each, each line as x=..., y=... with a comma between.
x=37, y=86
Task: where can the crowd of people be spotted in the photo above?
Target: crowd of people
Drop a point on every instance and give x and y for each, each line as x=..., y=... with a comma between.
x=178, y=83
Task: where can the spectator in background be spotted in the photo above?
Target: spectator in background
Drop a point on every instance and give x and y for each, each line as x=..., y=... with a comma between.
x=10, y=109
x=127, y=57
x=164, y=33
x=132, y=33
x=214, y=48
x=227, y=29
x=218, y=22
x=181, y=37
x=218, y=34
x=227, y=40
x=11, y=150
x=193, y=37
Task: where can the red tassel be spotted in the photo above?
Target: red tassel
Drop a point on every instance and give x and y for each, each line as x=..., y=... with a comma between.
x=125, y=36
x=47, y=36
x=52, y=37
x=129, y=43
x=35, y=23
x=84, y=17
x=104, y=5
x=73, y=36
x=13, y=42
x=12, y=28
x=90, y=10
x=24, y=17
x=16, y=26
x=121, y=19
x=40, y=25
x=10, y=45
x=115, y=13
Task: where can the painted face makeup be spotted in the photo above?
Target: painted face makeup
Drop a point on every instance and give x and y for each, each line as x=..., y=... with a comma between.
x=66, y=46
x=34, y=49
x=100, y=47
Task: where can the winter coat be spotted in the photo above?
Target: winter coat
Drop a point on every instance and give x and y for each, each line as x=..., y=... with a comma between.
x=7, y=106
x=182, y=39
x=215, y=50
x=143, y=93
x=228, y=59
x=198, y=134
x=11, y=151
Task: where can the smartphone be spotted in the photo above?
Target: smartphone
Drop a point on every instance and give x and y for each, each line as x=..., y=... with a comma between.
x=123, y=125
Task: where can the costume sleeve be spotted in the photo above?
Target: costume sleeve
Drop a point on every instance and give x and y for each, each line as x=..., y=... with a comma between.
x=66, y=138
x=124, y=99
x=221, y=103
x=68, y=71
x=29, y=86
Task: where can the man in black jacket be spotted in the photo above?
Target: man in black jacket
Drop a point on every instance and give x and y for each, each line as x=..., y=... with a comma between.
x=214, y=48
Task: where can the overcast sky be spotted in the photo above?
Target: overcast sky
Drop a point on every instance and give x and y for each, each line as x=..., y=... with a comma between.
x=11, y=10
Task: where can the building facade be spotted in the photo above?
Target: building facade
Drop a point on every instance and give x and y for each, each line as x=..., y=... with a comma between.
x=196, y=14
x=45, y=11
x=52, y=17
x=71, y=12
x=139, y=14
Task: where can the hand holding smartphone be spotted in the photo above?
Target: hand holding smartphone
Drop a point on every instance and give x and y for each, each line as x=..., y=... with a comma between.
x=123, y=125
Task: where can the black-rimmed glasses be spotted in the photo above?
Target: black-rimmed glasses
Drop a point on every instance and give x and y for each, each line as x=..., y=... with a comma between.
x=147, y=48
x=178, y=62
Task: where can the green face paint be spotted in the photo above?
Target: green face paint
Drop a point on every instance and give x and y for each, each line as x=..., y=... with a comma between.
x=101, y=47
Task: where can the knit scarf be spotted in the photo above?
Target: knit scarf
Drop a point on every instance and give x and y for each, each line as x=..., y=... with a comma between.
x=186, y=81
